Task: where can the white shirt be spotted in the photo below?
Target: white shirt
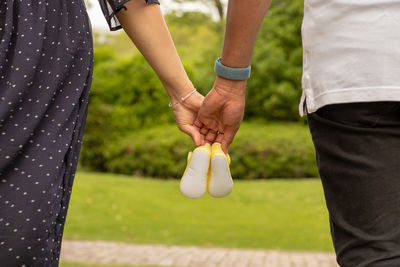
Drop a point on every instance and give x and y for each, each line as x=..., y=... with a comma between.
x=351, y=52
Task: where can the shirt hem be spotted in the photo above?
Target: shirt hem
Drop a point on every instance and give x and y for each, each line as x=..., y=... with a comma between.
x=347, y=95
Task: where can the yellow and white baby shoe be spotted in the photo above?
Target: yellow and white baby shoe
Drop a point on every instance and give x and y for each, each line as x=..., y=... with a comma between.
x=194, y=180
x=220, y=181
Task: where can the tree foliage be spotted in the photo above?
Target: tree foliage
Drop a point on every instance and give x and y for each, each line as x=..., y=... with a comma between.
x=274, y=89
x=126, y=96
x=218, y=5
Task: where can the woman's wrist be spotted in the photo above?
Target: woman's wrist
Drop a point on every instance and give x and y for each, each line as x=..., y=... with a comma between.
x=182, y=99
x=178, y=92
x=184, y=90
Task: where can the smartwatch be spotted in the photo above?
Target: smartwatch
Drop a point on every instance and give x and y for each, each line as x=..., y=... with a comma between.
x=231, y=73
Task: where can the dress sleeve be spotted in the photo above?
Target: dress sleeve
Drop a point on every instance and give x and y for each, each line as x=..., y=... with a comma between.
x=111, y=7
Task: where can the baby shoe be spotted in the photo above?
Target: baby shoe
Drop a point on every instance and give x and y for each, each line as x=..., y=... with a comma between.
x=194, y=180
x=220, y=182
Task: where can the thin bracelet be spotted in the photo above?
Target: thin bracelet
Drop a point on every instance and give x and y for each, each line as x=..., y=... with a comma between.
x=182, y=98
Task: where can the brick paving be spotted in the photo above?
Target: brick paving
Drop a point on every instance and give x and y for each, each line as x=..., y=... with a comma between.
x=163, y=255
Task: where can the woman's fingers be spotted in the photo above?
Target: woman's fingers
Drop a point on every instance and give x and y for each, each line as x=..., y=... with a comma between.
x=198, y=138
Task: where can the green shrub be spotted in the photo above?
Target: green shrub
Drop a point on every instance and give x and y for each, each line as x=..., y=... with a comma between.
x=274, y=89
x=260, y=150
x=127, y=96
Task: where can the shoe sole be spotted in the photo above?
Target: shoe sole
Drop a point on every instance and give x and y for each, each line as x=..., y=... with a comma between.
x=220, y=183
x=194, y=180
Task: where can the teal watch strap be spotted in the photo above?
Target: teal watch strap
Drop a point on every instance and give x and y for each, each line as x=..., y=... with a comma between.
x=231, y=73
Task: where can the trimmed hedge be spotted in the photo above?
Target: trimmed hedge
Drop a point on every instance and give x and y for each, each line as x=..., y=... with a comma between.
x=260, y=150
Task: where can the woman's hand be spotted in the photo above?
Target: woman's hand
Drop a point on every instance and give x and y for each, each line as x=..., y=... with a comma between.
x=185, y=113
x=164, y=60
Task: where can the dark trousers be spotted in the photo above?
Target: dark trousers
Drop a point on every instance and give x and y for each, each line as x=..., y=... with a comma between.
x=358, y=156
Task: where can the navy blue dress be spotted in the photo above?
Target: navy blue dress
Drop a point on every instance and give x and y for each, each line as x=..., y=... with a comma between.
x=46, y=60
x=46, y=65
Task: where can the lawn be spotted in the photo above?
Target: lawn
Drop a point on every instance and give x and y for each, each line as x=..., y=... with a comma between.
x=270, y=214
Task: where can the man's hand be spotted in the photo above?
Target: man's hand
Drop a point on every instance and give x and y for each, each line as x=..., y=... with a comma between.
x=222, y=112
x=185, y=113
x=223, y=107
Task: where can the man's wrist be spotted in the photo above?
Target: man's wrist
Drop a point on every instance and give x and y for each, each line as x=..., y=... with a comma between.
x=235, y=61
x=223, y=85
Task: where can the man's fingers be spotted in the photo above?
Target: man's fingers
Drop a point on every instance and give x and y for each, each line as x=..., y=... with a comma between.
x=207, y=122
x=209, y=142
x=224, y=146
x=204, y=130
x=219, y=138
x=211, y=135
x=198, y=123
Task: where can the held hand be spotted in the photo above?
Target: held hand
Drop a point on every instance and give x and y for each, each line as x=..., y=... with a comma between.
x=185, y=113
x=222, y=112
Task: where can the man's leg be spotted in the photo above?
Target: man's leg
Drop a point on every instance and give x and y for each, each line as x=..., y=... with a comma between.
x=358, y=156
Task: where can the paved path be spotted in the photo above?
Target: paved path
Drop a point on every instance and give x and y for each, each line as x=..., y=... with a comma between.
x=162, y=255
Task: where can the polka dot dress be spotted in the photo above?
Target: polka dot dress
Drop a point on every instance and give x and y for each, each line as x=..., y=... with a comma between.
x=46, y=60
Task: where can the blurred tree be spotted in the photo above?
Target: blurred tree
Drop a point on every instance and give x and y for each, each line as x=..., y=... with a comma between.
x=274, y=89
x=119, y=41
x=199, y=42
x=217, y=4
x=275, y=86
x=126, y=95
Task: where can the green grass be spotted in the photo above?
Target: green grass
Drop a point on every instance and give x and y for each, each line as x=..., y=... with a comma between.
x=270, y=214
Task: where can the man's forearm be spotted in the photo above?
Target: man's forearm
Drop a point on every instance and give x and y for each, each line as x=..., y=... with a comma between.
x=244, y=19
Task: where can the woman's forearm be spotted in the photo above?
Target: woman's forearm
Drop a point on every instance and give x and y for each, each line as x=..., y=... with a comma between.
x=146, y=27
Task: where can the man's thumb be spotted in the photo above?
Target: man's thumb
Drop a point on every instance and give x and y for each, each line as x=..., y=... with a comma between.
x=227, y=140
